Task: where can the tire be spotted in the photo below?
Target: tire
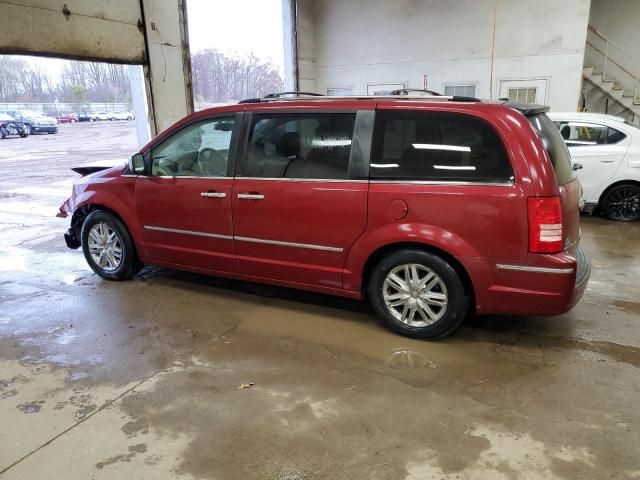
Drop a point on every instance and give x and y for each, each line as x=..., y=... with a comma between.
x=446, y=299
x=622, y=203
x=97, y=227
x=28, y=129
x=3, y=133
x=129, y=118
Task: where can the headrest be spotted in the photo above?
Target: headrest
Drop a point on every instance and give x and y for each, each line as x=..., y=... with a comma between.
x=289, y=145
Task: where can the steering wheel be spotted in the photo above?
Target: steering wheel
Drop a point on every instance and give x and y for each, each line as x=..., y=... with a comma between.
x=212, y=163
x=167, y=168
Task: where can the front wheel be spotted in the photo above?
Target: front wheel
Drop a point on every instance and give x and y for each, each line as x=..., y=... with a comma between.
x=418, y=294
x=107, y=247
x=28, y=129
x=622, y=203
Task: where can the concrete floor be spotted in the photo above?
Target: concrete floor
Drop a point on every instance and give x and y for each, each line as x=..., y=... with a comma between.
x=175, y=375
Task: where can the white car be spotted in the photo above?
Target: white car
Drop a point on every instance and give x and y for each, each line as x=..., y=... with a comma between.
x=101, y=116
x=121, y=116
x=606, y=154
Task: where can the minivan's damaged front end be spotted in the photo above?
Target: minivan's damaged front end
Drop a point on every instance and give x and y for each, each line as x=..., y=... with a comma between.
x=100, y=187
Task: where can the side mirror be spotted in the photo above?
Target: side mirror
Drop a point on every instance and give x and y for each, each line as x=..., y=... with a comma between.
x=136, y=164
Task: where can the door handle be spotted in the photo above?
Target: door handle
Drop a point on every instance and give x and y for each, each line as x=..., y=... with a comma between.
x=607, y=161
x=213, y=195
x=251, y=196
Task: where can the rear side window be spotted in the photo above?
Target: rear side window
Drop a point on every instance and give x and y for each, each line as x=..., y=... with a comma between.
x=437, y=146
x=555, y=146
x=578, y=134
x=299, y=145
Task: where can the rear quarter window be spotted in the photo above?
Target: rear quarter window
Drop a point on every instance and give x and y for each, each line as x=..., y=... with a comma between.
x=555, y=146
x=437, y=146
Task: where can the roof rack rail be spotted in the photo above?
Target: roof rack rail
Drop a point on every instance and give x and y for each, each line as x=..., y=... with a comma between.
x=407, y=91
x=280, y=95
x=298, y=94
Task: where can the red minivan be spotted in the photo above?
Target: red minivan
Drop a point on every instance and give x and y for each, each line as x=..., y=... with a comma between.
x=428, y=207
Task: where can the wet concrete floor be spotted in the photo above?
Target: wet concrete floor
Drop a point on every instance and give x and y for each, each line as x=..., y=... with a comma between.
x=176, y=375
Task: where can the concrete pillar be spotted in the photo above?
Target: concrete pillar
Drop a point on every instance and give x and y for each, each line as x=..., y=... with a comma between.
x=168, y=68
x=289, y=45
x=306, y=26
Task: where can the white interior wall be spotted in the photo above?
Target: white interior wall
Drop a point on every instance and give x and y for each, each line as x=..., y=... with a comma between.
x=619, y=21
x=361, y=42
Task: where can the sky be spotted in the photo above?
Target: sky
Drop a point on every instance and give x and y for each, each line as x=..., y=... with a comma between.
x=230, y=26
x=238, y=26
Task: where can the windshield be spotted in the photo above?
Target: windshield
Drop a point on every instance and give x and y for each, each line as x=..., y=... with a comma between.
x=555, y=147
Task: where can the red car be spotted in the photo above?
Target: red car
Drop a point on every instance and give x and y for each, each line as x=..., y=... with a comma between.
x=68, y=118
x=428, y=207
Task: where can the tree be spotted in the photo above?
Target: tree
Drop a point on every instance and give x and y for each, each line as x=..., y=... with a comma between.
x=218, y=78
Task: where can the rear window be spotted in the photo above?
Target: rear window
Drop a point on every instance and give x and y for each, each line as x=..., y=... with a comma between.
x=555, y=146
x=437, y=146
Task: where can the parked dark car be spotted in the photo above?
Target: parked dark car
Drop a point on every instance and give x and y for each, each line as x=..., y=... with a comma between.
x=35, y=122
x=86, y=117
x=431, y=208
x=9, y=126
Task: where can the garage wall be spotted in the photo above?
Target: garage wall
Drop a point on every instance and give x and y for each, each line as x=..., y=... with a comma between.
x=356, y=44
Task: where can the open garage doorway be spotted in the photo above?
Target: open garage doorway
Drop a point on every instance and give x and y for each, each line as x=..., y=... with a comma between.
x=237, y=49
x=72, y=114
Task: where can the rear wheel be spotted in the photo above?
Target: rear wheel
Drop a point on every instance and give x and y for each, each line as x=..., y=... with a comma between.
x=622, y=203
x=418, y=294
x=107, y=247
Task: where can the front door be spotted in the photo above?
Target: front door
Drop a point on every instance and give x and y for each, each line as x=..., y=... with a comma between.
x=598, y=148
x=299, y=202
x=184, y=203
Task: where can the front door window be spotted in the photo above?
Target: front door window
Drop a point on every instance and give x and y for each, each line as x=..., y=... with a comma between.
x=199, y=150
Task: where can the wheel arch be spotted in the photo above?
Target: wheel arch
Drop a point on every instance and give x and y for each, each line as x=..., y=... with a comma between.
x=617, y=184
x=381, y=252
x=83, y=211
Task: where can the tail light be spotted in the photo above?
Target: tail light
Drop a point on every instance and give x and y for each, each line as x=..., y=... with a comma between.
x=545, y=224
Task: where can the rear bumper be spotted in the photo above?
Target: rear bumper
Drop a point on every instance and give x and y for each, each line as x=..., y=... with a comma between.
x=543, y=285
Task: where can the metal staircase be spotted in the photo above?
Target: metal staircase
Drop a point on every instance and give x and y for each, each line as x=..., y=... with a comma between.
x=614, y=72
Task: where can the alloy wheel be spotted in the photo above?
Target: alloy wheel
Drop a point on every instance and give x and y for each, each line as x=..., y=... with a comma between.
x=105, y=247
x=415, y=295
x=623, y=203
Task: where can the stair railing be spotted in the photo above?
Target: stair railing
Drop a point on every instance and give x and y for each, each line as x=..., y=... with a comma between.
x=631, y=67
